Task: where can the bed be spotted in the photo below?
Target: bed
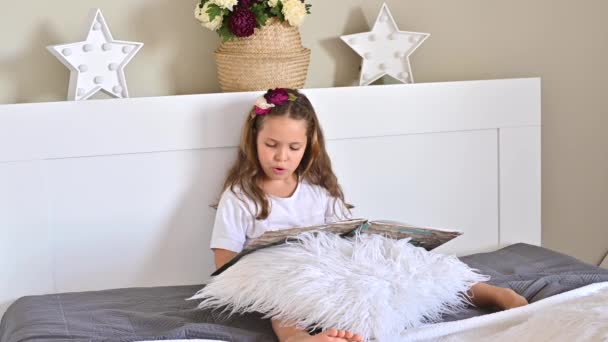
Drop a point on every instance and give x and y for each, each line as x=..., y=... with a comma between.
x=105, y=203
x=138, y=314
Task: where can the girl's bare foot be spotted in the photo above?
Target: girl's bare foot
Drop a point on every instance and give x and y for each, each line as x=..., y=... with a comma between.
x=331, y=335
x=509, y=299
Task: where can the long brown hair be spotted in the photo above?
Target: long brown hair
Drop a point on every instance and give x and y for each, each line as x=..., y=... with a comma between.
x=315, y=167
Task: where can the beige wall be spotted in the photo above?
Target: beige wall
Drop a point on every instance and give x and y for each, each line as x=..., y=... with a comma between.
x=562, y=41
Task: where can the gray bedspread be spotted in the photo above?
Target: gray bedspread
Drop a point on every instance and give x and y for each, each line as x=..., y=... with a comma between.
x=159, y=313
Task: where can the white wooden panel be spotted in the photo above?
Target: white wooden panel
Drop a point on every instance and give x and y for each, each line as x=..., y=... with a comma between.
x=152, y=209
x=396, y=178
x=428, y=107
x=520, y=184
x=26, y=256
x=103, y=127
x=135, y=220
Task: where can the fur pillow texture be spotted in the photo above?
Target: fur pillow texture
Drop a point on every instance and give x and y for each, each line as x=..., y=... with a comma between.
x=370, y=285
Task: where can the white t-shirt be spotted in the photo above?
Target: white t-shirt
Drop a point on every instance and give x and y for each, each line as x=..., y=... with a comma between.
x=309, y=205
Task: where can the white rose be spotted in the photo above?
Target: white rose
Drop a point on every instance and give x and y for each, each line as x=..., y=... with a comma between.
x=199, y=14
x=262, y=103
x=294, y=11
x=202, y=16
x=273, y=3
x=227, y=4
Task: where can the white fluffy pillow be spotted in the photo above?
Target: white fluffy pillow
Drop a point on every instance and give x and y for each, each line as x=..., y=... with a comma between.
x=370, y=285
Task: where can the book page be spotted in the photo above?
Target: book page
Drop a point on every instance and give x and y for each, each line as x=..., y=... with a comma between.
x=428, y=238
x=275, y=236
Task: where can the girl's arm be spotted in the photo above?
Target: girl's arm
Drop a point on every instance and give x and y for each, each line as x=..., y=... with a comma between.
x=222, y=256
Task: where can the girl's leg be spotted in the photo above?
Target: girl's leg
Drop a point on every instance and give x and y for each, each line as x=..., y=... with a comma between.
x=486, y=295
x=287, y=333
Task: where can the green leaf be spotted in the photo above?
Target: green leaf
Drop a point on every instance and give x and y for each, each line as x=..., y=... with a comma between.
x=261, y=19
x=277, y=11
x=260, y=5
x=259, y=9
x=224, y=32
x=308, y=6
x=213, y=11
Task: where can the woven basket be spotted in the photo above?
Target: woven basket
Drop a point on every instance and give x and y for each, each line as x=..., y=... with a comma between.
x=272, y=57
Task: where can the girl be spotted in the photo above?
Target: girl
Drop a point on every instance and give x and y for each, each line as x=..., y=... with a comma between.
x=283, y=178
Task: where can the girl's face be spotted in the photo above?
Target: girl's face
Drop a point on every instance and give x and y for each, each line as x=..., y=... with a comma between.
x=281, y=144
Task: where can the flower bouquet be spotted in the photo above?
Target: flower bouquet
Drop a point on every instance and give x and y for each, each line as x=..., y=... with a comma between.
x=261, y=46
x=239, y=18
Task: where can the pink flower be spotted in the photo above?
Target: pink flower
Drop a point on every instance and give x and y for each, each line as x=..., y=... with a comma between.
x=260, y=111
x=278, y=96
x=242, y=22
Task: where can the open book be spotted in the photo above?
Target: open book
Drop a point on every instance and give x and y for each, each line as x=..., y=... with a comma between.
x=427, y=238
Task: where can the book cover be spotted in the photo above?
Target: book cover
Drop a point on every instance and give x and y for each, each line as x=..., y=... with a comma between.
x=427, y=238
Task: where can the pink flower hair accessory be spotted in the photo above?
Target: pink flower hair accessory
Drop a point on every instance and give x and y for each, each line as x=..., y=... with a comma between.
x=272, y=98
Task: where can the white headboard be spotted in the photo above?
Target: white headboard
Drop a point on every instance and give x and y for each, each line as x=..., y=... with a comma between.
x=116, y=193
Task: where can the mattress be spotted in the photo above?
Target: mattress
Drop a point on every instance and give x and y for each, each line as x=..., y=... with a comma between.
x=162, y=313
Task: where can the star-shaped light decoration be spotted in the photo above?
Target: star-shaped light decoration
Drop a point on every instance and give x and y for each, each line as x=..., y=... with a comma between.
x=385, y=49
x=98, y=62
